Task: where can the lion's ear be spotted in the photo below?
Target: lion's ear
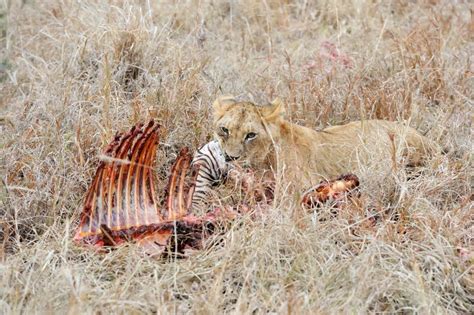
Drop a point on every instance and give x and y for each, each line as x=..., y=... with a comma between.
x=222, y=103
x=274, y=111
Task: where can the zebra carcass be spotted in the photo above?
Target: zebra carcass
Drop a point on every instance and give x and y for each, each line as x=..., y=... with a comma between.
x=122, y=203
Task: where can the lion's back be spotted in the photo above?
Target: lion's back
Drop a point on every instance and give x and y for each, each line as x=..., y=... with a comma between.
x=366, y=147
x=387, y=136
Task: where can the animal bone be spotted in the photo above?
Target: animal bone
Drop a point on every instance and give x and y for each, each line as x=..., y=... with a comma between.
x=328, y=191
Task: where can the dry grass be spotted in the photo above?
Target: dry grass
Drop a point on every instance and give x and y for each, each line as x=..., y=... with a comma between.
x=73, y=73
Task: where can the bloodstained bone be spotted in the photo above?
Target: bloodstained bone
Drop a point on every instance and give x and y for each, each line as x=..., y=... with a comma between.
x=331, y=191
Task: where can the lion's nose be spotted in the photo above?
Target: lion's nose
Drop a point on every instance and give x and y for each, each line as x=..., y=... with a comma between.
x=229, y=158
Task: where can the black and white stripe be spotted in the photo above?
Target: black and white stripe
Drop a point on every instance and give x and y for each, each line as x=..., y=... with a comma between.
x=212, y=170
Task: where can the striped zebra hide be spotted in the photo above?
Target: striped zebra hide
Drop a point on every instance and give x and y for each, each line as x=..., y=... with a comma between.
x=121, y=203
x=213, y=169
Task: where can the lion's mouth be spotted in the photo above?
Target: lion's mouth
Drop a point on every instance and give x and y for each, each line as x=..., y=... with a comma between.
x=229, y=158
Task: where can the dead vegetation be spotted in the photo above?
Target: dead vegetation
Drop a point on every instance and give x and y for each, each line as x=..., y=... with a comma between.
x=74, y=73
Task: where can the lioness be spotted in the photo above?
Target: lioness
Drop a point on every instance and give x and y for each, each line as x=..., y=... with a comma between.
x=260, y=137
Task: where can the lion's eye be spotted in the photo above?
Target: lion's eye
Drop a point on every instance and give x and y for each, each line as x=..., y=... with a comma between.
x=250, y=136
x=223, y=131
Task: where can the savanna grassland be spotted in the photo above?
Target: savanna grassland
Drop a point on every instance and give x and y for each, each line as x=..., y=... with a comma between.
x=73, y=73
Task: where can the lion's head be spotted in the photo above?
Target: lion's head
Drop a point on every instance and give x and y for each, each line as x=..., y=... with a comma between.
x=246, y=131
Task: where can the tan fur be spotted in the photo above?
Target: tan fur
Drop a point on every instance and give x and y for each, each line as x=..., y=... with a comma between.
x=305, y=156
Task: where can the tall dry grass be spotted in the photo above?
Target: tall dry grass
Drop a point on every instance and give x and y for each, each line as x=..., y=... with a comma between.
x=73, y=73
